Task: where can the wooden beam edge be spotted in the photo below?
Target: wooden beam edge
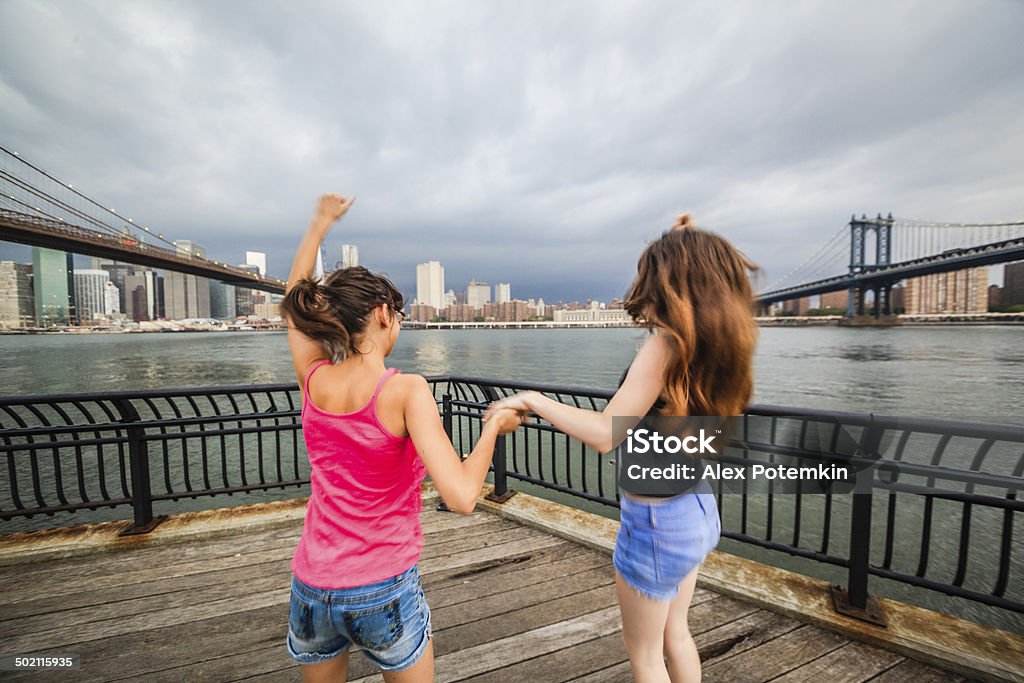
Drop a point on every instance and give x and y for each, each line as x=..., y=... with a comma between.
x=928, y=636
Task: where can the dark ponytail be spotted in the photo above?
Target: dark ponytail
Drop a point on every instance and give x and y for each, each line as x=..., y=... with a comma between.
x=336, y=312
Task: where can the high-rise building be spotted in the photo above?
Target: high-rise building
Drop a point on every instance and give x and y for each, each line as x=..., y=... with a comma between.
x=349, y=256
x=541, y=307
x=119, y=273
x=136, y=297
x=956, y=291
x=91, y=294
x=187, y=296
x=111, y=299
x=502, y=292
x=478, y=294
x=222, y=301
x=245, y=299
x=430, y=284
x=16, y=302
x=1013, y=284
x=53, y=287
x=258, y=259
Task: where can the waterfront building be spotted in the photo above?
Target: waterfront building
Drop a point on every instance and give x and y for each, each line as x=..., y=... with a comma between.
x=422, y=313
x=245, y=298
x=1013, y=284
x=995, y=296
x=502, y=292
x=957, y=291
x=541, y=308
x=137, y=296
x=592, y=314
x=430, y=284
x=187, y=296
x=16, y=301
x=840, y=299
x=478, y=294
x=349, y=256
x=91, y=294
x=255, y=258
x=119, y=273
x=222, y=301
x=450, y=298
x=111, y=300
x=53, y=287
x=460, y=313
x=269, y=308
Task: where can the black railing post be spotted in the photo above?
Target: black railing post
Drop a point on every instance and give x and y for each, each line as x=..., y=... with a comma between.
x=138, y=457
x=499, y=463
x=446, y=414
x=854, y=601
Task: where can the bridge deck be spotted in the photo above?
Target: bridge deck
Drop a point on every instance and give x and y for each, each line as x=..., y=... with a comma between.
x=509, y=603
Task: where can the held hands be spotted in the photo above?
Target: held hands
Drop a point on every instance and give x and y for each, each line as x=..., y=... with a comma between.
x=519, y=403
x=505, y=419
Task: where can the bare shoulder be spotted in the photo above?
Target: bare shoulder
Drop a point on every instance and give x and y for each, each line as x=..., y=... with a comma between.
x=406, y=386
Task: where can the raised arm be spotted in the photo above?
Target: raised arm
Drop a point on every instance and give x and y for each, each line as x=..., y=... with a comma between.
x=639, y=391
x=330, y=208
x=458, y=481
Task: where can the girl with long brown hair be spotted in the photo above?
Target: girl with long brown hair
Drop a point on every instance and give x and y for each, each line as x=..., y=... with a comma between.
x=692, y=292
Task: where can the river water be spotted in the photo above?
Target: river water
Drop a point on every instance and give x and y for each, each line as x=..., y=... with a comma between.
x=961, y=372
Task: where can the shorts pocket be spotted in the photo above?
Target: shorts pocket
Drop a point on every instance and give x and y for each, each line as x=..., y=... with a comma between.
x=673, y=561
x=375, y=628
x=300, y=618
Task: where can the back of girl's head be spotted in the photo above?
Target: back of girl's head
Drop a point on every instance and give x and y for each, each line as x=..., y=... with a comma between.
x=695, y=285
x=337, y=312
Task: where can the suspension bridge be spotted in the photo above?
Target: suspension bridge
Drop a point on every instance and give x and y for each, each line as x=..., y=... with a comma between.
x=41, y=210
x=866, y=257
x=869, y=256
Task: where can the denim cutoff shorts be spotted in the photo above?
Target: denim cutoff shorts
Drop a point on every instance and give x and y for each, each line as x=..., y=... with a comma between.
x=389, y=620
x=659, y=543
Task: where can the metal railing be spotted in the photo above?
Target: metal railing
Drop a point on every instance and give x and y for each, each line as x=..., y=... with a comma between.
x=938, y=509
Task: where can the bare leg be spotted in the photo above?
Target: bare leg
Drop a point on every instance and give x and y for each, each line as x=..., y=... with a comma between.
x=683, y=658
x=331, y=671
x=420, y=672
x=643, y=631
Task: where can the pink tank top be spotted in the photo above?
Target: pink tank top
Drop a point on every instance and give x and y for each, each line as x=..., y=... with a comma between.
x=363, y=516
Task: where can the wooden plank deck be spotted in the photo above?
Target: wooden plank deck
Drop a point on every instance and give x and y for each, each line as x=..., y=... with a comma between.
x=509, y=603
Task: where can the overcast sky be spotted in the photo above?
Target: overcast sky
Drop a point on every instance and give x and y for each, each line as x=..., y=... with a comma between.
x=537, y=143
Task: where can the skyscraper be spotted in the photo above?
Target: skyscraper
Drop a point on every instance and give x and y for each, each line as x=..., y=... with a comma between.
x=187, y=296
x=258, y=259
x=16, y=309
x=349, y=256
x=53, y=287
x=502, y=292
x=430, y=284
x=478, y=294
x=91, y=294
x=222, y=301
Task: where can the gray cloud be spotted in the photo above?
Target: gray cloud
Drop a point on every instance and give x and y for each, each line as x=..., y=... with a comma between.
x=537, y=143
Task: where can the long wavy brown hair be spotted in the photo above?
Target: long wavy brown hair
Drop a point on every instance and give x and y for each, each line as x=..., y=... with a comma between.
x=695, y=285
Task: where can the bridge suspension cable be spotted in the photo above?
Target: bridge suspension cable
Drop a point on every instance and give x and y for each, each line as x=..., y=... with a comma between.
x=819, y=261
x=24, y=184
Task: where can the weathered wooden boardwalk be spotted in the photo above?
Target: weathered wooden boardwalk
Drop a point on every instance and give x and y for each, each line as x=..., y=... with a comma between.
x=509, y=603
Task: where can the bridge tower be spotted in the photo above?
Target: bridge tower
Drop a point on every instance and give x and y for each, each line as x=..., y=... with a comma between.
x=859, y=228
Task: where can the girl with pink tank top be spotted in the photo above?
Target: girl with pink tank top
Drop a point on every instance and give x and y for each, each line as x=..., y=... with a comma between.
x=372, y=434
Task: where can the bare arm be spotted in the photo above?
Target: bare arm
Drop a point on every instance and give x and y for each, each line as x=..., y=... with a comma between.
x=306, y=351
x=639, y=391
x=458, y=481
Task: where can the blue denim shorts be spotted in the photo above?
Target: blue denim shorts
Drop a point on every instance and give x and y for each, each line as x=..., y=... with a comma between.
x=389, y=620
x=660, y=543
